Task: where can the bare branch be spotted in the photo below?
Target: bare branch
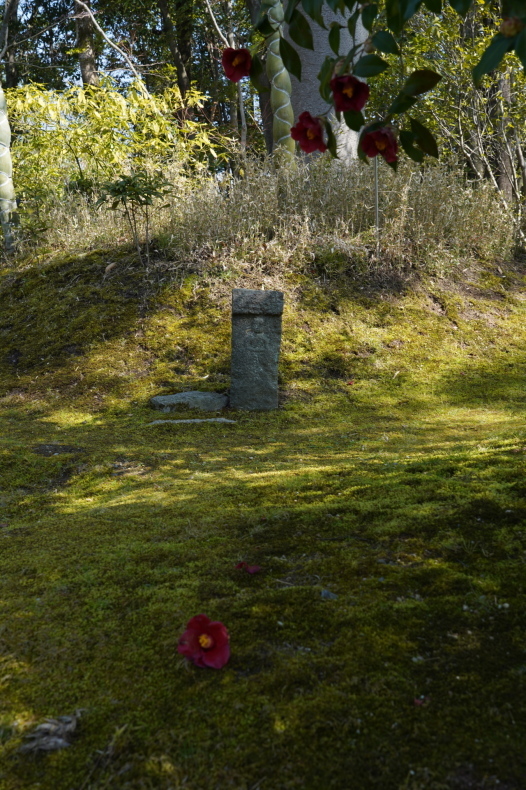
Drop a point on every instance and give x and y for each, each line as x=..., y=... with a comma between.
x=109, y=41
x=214, y=20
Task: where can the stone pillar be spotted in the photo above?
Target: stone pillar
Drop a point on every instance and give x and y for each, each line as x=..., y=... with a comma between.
x=256, y=339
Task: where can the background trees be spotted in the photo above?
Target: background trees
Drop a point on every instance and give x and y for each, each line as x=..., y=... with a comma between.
x=177, y=45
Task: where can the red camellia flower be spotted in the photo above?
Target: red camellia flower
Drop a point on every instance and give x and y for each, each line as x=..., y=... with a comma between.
x=205, y=643
x=349, y=93
x=309, y=133
x=247, y=567
x=383, y=142
x=236, y=63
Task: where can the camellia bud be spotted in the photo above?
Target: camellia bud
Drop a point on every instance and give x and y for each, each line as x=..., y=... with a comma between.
x=369, y=47
x=510, y=26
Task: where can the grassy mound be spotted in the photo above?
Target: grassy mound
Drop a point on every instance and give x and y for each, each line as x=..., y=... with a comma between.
x=382, y=645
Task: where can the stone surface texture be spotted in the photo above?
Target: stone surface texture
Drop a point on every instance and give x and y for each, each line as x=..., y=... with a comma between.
x=204, y=401
x=256, y=340
x=177, y=422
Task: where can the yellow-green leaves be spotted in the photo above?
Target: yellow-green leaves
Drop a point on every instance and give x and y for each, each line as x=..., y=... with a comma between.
x=83, y=134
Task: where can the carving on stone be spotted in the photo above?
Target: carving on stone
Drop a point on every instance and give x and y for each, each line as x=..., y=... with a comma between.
x=256, y=340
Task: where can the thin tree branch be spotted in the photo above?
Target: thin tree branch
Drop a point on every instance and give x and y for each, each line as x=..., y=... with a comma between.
x=109, y=41
x=19, y=41
x=214, y=21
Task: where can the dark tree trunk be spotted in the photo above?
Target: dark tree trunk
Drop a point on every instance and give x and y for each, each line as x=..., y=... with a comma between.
x=183, y=78
x=8, y=55
x=12, y=75
x=86, y=47
x=184, y=26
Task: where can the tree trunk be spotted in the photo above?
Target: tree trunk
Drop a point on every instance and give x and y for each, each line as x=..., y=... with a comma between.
x=8, y=55
x=501, y=161
x=306, y=95
x=506, y=166
x=8, y=215
x=85, y=45
x=280, y=88
x=184, y=27
x=183, y=79
x=12, y=75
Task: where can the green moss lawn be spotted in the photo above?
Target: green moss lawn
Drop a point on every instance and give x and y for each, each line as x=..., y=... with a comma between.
x=383, y=643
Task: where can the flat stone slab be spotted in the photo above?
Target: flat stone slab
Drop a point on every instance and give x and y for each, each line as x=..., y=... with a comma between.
x=178, y=422
x=56, y=449
x=204, y=401
x=246, y=301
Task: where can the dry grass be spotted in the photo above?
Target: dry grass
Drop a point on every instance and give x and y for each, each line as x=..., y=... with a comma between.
x=430, y=219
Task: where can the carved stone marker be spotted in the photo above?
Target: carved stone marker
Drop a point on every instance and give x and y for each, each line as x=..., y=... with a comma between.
x=256, y=339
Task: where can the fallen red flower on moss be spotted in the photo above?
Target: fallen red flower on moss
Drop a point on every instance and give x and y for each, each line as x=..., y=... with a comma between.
x=383, y=142
x=349, y=93
x=308, y=131
x=236, y=63
x=205, y=643
x=247, y=567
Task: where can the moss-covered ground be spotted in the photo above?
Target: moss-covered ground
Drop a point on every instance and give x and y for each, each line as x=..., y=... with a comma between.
x=383, y=643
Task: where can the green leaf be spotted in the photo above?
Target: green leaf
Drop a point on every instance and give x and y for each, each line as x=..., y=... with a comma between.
x=299, y=30
x=409, y=8
x=492, y=56
x=401, y=103
x=369, y=66
x=423, y=138
x=435, y=6
x=369, y=14
x=354, y=120
x=520, y=47
x=385, y=42
x=395, y=19
x=343, y=65
x=257, y=72
x=291, y=6
x=353, y=19
x=264, y=26
x=325, y=77
x=461, y=6
x=313, y=9
x=331, y=139
x=407, y=138
x=290, y=58
x=334, y=38
x=362, y=155
x=336, y=5
x=420, y=81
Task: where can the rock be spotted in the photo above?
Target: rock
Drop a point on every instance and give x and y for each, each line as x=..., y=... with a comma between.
x=327, y=595
x=256, y=340
x=204, y=401
x=177, y=422
x=56, y=449
x=53, y=734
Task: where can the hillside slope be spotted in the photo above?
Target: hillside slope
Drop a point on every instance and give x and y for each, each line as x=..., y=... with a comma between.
x=382, y=644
